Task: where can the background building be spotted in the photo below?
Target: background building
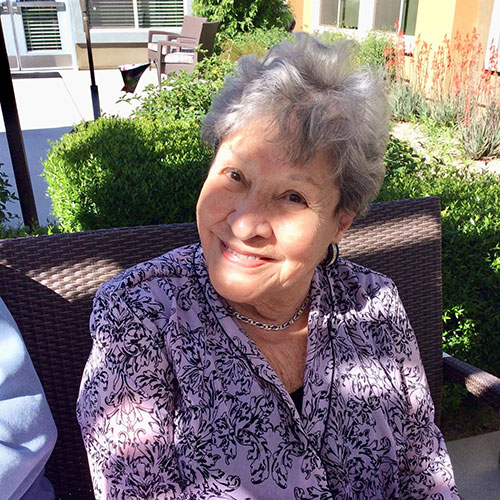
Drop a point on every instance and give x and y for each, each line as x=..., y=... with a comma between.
x=431, y=19
x=50, y=34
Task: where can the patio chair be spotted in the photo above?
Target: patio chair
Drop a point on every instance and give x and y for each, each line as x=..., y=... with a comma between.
x=191, y=29
x=49, y=282
x=183, y=53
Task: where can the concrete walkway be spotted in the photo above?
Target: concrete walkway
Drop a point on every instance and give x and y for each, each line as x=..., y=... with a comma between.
x=476, y=463
x=48, y=108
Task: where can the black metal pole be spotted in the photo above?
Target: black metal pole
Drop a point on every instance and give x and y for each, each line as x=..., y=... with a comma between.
x=15, y=139
x=93, y=87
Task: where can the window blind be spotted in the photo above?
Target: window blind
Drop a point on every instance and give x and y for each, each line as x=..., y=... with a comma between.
x=41, y=28
x=120, y=13
x=160, y=13
x=109, y=13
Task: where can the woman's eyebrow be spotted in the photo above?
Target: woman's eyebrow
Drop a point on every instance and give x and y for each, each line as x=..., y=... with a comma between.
x=305, y=179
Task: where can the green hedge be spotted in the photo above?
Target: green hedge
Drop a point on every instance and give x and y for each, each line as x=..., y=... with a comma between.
x=471, y=248
x=256, y=42
x=5, y=196
x=371, y=48
x=144, y=170
x=124, y=172
x=244, y=16
x=183, y=96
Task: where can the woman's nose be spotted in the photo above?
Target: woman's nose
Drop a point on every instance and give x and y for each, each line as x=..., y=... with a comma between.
x=250, y=219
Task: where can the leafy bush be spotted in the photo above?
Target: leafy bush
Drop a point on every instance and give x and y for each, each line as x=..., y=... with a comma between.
x=5, y=196
x=124, y=172
x=328, y=37
x=184, y=96
x=25, y=231
x=471, y=249
x=255, y=42
x=242, y=16
x=371, y=48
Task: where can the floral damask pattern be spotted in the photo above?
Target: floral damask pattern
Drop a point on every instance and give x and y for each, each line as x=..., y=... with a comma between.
x=177, y=402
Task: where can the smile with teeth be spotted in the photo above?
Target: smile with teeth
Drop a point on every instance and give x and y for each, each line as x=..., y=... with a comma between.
x=241, y=256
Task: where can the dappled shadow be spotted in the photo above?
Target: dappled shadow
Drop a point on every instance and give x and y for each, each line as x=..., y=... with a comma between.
x=49, y=282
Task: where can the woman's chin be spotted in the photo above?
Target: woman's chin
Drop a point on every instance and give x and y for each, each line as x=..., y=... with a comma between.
x=237, y=291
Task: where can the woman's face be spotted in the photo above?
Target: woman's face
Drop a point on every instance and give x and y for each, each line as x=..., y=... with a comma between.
x=265, y=224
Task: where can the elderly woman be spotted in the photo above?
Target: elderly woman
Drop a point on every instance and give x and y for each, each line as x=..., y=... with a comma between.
x=257, y=365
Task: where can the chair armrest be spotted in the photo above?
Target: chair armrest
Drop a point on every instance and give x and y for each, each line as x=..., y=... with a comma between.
x=167, y=34
x=184, y=44
x=481, y=384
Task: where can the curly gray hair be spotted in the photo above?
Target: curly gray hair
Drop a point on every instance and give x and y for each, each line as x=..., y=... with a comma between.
x=319, y=103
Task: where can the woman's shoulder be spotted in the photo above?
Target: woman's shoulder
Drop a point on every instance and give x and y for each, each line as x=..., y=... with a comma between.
x=346, y=269
x=357, y=287
x=176, y=265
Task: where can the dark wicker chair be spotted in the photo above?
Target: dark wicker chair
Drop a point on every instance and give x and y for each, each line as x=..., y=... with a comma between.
x=49, y=282
x=182, y=53
x=190, y=31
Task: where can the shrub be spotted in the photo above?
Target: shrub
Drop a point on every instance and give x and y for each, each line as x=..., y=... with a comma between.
x=184, y=96
x=371, y=48
x=25, y=231
x=256, y=42
x=5, y=196
x=125, y=172
x=445, y=112
x=471, y=250
x=242, y=16
x=328, y=37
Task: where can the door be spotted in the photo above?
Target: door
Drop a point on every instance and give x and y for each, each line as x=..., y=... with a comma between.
x=37, y=33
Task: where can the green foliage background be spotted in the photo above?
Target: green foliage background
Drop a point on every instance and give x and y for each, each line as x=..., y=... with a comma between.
x=119, y=172
x=470, y=248
x=149, y=169
x=241, y=16
x=6, y=195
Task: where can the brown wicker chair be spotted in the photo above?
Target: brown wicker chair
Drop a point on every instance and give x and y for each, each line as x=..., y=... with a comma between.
x=190, y=30
x=48, y=284
x=182, y=53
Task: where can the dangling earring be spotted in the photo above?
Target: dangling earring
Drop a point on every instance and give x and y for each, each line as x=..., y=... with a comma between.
x=332, y=256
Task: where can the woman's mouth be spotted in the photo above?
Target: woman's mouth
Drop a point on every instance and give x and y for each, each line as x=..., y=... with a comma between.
x=250, y=260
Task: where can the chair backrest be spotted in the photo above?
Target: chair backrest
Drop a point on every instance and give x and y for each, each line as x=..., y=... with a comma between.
x=207, y=38
x=191, y=27
x=49, y=282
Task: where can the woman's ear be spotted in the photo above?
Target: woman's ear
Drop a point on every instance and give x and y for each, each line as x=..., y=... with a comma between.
x=344, y=221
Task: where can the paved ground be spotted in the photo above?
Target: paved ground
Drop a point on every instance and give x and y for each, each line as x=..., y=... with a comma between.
x=48, y=108
x=476, y=463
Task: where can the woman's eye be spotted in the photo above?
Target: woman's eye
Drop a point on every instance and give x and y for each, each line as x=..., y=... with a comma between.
x=235, y=176
x=295, y=198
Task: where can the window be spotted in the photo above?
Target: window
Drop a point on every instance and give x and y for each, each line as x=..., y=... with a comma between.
x=340, y=13
x=41, y=28
x=390, y=12
x=135, y=13
x=491, y=60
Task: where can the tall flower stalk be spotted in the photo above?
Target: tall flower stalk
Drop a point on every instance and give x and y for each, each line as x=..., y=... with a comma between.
x=455, y=85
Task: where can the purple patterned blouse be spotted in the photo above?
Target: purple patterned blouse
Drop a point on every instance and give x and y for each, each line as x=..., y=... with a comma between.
x=177, y=402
